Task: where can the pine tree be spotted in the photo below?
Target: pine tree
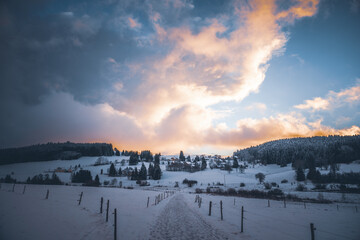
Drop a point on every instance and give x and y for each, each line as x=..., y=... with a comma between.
x=112, y=171
x=197, y=158
x=203, y=163
x=120, y=172
x=134, y=159
x=143, y=173
x=157, y=172
x=300, y=176
x=181, y=156
x=151, y=170
x=97, y=181
x=135, y=175
x=235, y=163
x=157, y=158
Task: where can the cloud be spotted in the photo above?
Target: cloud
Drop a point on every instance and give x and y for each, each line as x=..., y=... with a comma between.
x=257, y=106
x=333, y=100
x=133, y=23
x=91, y=77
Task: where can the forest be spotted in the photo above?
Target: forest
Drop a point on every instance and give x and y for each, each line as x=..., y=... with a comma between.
x=53, y=151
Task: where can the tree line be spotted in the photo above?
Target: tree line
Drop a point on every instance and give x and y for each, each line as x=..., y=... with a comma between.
x=54, y=151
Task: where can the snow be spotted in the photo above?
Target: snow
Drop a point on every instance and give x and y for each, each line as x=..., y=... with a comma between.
x=273, y=173
x=31, y=216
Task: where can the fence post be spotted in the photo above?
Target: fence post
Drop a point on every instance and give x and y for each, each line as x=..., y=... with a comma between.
x=210, y=203
x=115, y=223
x=101, y=204
x=221, y=210
x=107, y=210
x=337, y=206
x=47, y=194
x=312, y=229
x=234, y=201
x=24, y=189
x=147, y=205
x=13, y=188
x=242, y=218
x=81, y=194
x=268, y=203
x=284, y=203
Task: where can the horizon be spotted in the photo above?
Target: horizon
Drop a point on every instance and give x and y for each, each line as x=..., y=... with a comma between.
x=178, y=75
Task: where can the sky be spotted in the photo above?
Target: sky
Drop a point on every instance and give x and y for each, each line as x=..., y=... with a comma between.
x=199, y=76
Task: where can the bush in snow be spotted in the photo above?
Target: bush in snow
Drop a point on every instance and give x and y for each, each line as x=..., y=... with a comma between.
x=301, y=187
x=242, y=184
x=284, y=181
x=267, y=186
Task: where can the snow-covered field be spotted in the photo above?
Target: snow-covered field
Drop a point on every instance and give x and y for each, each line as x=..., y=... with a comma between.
x=31, y=216
x=273, y=173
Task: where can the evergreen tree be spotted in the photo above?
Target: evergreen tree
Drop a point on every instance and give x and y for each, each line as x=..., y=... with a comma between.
x=112, y=171
x=203, y=164
x=188, y=158
x=135, y=175
x=235, y=163
x=134, y=159
x=120, y=172
x=182, y=156
x=197, y=158
x=157, y=172
x=143, y=173
x=97, y=181
x=117, y=152
x=300, y=176
x=151, y=170
x=157, y=158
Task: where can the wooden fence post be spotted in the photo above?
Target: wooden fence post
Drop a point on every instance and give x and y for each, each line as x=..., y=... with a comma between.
x=115, y=223
x=24, y=189
x=47, y=194
x=284, y=203
x=337, y=206
x=210, y=203
x=312, y=229
x=242, y=218
x=13, y=188
x=81, y=194
x=221, y=210
x=107, y=210
x=101, y=204
x=268, y=203
x=147, y=205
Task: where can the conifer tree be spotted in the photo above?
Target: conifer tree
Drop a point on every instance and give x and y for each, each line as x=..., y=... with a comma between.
x=300, y=176
x=181, y=156
x=143, y=172
x=112, y=171
x=97, y=181
x=151, y=170
x=135, y=175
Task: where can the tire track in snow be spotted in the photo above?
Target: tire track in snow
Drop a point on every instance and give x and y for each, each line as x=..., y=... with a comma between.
x=178, y=221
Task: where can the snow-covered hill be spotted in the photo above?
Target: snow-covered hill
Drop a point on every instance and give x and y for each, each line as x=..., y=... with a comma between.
x=208, y=177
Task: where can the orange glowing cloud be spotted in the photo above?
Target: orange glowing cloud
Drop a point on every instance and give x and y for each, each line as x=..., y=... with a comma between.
x=333, y=100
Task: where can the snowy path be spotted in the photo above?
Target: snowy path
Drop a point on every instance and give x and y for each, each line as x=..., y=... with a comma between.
x=178, y=221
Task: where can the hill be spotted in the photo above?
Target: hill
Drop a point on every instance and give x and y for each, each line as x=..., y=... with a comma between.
x=52, y=151
x=324, y=151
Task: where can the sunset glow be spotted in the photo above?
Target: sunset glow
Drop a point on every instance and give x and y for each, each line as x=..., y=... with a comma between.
x=198, y=76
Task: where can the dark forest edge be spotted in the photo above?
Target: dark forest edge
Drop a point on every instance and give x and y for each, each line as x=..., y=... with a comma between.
x=54, y=151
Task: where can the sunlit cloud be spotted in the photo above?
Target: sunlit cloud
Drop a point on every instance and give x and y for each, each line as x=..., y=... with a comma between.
x=333, y=100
